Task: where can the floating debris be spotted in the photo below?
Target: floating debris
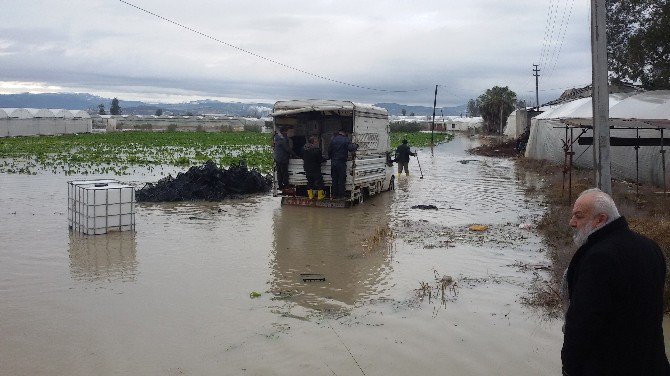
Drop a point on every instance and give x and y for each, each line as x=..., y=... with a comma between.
x=312, y=277
x=206, y=182
x=522, y=266
x=478, y=228
x=425, y=207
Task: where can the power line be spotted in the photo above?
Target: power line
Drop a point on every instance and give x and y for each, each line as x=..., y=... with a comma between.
x=562, y=37
x=548, y=25
x=551, y=51
x=254, y=54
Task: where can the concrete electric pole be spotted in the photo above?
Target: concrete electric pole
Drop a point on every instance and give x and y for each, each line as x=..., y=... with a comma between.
x=600, y=97
x=536, y=73
x=432, y=125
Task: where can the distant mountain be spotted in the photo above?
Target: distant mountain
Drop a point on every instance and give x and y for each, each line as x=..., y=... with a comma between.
x=89, y=102
x=70, y=101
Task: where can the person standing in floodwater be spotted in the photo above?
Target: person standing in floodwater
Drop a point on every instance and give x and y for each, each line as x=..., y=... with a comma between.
x=282, y=155
x=312, y=158
x=402, y=154
x=613, y=325
x=339, y=149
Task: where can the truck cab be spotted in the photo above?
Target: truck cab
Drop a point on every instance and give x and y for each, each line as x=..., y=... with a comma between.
x=369, y=168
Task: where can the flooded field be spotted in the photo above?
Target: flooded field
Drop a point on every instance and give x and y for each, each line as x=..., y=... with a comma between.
x=180, y=295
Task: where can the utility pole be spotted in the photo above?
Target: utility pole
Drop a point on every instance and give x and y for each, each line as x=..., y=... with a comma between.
x=536, y=73
x=442, y=115
x=600, y=98
x=501, y=121
x=432, y=126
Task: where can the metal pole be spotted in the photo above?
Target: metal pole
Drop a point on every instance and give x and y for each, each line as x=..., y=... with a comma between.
x=571, y=154
x=443, y=126
x=501, y=121
x=565, y=161
x=665, y=190
x=432, y=127
x=637, y=163
x=600, y=97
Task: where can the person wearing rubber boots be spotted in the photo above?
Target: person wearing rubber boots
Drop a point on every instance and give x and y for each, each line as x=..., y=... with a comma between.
x=312, y=158
x=402, y=154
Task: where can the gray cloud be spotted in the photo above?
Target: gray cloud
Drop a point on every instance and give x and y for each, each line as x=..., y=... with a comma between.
x=106, y=46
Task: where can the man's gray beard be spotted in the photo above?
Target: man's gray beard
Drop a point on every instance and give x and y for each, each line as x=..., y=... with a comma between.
x=580, y=237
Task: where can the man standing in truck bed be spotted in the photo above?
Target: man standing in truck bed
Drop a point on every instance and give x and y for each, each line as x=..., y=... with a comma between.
x=312, y=159
x=339, y=149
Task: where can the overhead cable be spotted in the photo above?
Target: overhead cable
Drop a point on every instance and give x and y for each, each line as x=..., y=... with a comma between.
x=254, y=54
x=547, y=26
x=562, y=34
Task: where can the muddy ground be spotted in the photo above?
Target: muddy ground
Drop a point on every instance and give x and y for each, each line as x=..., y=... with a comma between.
x=645, y=206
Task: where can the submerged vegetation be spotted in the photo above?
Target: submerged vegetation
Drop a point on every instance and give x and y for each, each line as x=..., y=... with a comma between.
x=119, y=152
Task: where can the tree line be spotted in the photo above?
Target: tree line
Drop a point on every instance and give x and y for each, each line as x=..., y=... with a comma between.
x=638, y=42
x=494, y=106
x=114, y=109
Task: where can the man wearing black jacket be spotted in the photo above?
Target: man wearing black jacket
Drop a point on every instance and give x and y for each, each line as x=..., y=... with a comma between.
x=340, y=147
x=613, y=325
x=402, y=154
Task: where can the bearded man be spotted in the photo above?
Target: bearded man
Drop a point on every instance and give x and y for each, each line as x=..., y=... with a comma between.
x=613, y=324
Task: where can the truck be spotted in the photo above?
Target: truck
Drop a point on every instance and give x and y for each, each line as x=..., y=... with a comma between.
x=369, y=168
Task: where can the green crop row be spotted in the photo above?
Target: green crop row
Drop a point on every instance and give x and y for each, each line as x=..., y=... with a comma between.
x=419, y=139
x=120, y=153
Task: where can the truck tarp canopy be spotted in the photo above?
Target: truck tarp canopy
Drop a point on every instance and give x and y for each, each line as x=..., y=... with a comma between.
x=283, y=108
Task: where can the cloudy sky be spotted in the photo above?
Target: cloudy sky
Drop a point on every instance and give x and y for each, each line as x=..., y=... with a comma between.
x=371, y=51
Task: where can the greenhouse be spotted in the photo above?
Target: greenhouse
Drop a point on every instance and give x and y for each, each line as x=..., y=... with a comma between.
x=31, y=121
x=639, y=131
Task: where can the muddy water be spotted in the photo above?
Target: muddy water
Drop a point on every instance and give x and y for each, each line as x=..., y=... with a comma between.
x=173, y=298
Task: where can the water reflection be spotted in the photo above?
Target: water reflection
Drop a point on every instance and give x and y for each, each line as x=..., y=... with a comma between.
x=351, y=248
x=238, y=208
x=103, y=257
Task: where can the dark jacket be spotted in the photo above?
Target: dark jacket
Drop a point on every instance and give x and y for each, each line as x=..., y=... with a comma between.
x=613, y=324
x=340, y=146
x=402, y=153
x=282, y=150
x=312, y=158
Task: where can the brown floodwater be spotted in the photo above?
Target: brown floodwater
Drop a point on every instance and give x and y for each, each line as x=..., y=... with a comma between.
x=173, y=298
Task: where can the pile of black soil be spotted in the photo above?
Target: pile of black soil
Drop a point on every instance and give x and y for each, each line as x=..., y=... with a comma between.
x=206, y=182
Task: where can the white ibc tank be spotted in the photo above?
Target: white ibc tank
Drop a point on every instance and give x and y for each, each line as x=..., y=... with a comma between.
x=100, y=206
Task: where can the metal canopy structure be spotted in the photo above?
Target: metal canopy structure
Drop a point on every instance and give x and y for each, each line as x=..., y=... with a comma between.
x=649, y=109
x=639, y=124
